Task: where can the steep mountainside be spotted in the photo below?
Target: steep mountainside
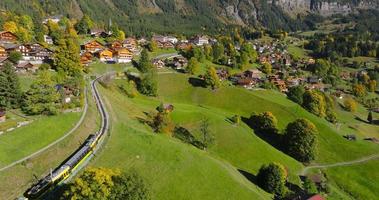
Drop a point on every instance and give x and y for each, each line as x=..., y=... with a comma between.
x=195, y=15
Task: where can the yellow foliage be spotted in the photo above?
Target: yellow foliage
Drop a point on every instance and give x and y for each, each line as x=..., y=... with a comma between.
x=10, y=26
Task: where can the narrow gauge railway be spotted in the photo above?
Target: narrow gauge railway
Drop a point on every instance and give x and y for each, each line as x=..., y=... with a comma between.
x=62, y=172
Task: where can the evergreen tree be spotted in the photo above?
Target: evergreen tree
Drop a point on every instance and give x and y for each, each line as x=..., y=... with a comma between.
x=10, y=90
x=369, y=117
x=84, y=25
x=144, y=64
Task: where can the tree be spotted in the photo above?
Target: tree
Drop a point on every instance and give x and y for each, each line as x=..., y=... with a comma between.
x=208, y=52
x=296, y=94
x=10, y=26
x=370, y=118
x=67, y=57
x=309, y=186
x=84, y=25
x=250, y=52
x=321, y=67
x=264, y=122
x=10, y=90
x=350, y=105
x=267, y=68
x=193, y=66
x=94, y=183
x=211, y=78
x=372, y=85
x=315, y=103
x=144, y=64
x=129, y=186
x=301, y=140
x=218, y=52
x=153, y=46
x=206, y=135
x=272, y=178
x=42, y=97
x=162, y=122
x=14, y=56
x=359, y=90
x=148, y=84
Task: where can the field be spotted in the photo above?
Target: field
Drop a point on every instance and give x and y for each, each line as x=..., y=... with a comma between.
x=160, y=158
x=26, y=140
x=15, y=180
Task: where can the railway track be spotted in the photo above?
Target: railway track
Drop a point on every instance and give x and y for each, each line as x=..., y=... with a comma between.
x=80, y=157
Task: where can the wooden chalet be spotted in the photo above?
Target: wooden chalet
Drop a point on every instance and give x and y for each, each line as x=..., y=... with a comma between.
x=7, y=36
x=168, y=45
x=183, y=46
x=123, y=55
x=92, y=46
x=130, y=43
x=98, y=32
x=115, y=45
x=86, y=58
x=247, y=83
x=3, y=52
x=158, y=63
x=35, y=52
x=105, y=55
x=26, y=67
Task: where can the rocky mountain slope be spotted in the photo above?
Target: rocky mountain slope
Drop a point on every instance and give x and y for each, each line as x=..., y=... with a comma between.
x=189, y=14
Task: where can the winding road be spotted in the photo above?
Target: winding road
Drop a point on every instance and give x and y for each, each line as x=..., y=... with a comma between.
x=340, y=164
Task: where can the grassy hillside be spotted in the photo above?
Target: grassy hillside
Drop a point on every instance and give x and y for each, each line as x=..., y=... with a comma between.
x=333, y=148
x=174, y=170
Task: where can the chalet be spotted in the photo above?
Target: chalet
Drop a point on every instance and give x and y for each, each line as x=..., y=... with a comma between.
x=180, y=62
x=253, y=73
x=6, y=36
x=3, y=52
x=115, y=45
x=2, y=115
x=168, y=45
x=48, y=39
x=86, y=58
x=142, y=41
x=92, y=46
x=314, y=80
x=223, y=74
x=158, y=63
x=55, y=19
x=292, y=81
x=130, y=44
x=200, y=40
x=23, y=67
x=35, y=53
x=183, y=46
x=98, y=32
x=123, y=55
x=105, y=55
x=3, y=60
x=247, y=83
x=281, y=85
x=163, y=39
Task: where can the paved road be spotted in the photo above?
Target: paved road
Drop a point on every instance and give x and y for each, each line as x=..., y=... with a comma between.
x=55, y=142
x=167, y=55
x=340, y=164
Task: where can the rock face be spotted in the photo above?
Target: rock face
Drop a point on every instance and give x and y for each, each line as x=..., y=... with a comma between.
x=325, y=7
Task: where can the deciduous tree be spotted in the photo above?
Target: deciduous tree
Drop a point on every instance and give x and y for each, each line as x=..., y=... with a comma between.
x=272, y=178
x=211, y=78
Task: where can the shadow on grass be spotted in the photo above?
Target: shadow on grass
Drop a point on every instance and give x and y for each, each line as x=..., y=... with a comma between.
x=249, y=176
x=274, y=139
x=196, y=82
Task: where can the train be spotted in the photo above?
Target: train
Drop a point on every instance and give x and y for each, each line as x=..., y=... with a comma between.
x=62, y=172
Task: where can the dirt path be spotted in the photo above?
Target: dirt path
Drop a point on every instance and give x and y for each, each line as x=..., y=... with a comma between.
x=341, y=164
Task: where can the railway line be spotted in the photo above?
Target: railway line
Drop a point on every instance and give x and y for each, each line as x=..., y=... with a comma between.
x=73, y=162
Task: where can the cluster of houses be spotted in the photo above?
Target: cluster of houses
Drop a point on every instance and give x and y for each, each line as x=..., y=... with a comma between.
x=32, y=55
x=167, y=42
x=114, y=52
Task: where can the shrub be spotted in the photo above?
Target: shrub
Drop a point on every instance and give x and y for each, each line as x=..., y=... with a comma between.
x=350, y=105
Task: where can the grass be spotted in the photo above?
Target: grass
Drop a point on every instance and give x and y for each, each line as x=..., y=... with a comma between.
x=26, y=140
x=360, y=181
x=333, y=148
x=173, y=170
x=15, y=180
